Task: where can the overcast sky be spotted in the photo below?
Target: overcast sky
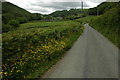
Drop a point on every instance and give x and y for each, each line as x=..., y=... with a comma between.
x=49, y=6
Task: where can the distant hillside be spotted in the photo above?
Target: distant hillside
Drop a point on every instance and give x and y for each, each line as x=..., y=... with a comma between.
x=11, y=8
x=102, y=8
x=11, y=11
x=14, y=12
x=67, y=13
x=64, y=13
x=13, y=15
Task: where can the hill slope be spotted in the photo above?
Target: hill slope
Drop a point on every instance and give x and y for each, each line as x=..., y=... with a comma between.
x=70, y=14
x=108, y=23
x=13, y=15
x=103, y=7
x=11, y=11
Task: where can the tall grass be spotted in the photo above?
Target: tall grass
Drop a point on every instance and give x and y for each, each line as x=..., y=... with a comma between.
x=28, y=53
x=108, y=25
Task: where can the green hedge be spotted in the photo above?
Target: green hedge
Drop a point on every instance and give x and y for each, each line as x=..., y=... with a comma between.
x=24, y=51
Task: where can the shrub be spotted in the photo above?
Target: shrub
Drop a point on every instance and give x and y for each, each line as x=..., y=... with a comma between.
x=14, y=23
x=6, y=28
x=22, y=20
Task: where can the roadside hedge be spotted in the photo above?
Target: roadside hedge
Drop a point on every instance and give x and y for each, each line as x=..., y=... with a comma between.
x=24, y=51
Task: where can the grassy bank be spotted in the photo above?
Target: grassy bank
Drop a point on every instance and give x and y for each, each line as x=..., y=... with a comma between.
x=32, y=50
x=108, y=25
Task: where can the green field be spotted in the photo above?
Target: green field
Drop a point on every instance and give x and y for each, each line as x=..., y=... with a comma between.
x=38, y=24
x=34, y=47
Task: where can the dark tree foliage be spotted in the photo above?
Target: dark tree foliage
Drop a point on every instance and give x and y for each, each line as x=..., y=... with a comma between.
x=36, y=16
x=48, y=18
x=14, y=23
x=102, y=8
x=93, y=11
x=66, y=13
x=13, y=15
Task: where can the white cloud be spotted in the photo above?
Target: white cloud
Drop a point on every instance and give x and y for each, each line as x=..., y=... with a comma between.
x=52, y=6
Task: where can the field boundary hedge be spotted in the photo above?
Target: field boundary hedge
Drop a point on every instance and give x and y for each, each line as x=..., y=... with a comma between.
x=24, y=51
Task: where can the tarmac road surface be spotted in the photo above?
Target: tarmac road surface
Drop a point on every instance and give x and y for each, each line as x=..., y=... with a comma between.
x=92, y=56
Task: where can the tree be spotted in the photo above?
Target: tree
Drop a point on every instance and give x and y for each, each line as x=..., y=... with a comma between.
x=14, y=23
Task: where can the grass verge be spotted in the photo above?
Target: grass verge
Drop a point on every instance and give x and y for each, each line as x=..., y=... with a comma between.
x=108, y=25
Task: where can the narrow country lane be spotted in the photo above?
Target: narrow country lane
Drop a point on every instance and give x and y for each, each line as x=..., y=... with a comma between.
x=92, y=56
